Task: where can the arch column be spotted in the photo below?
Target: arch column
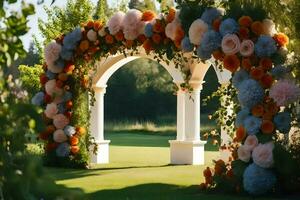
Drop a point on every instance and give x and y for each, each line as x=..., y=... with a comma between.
x=97, y=128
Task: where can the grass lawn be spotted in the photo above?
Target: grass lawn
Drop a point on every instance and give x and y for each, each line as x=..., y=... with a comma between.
x=139, y=169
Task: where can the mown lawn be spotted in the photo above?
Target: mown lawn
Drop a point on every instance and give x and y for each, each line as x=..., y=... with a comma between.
x=139, y=169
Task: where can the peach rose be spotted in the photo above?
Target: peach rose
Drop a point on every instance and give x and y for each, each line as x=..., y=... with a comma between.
x=51, y=110
x=247, y=48
x=197, y=30
x=244, y=153
x=251, y=142
x=263, y=155
x=59, y=136
x=52, y=89
x=60, y=121
x=231, y=44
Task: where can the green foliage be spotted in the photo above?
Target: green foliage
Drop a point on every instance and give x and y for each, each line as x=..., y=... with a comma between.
x=165, y=4
x=29, y=76
x=142, y=5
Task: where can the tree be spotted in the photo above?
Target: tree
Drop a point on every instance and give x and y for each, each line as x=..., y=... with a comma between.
x=165, y=4
x=142, y=5
x=102, y=10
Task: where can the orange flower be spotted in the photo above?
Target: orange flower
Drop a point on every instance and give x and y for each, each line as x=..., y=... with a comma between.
x=229, y=174
x=74, y=140
x=148, y=15
x=50, y=129
x=84, y=45
x=119, y=36
x=266, y=81
x=158, y=27
x=207, y=172
x=245, y=21
x=109, y=39
x=257, y=27
x=171, y=15
x=281, y=39
x=80, y=130
x=156, y=38
x=97, y=25
x=147, y=46
x=179, y=35
x=216, y=24
x=221, y=163
x=231, y=63
x=208, y=180
x=240, y=134
x=142, y=38
x=69, y=104
x=267, y=127
x=90, y=24
x=267, y=116
x=271, y=108
x=63, y=76
x=218, y=55
x=51, y=146
x=266, y=63
x=244, y=33
x=246, y=64
x=256, y=73
x=129, y=43
x=74, y=149
x=257, y=110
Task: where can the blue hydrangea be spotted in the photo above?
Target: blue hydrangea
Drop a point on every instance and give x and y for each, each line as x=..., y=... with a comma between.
x=258, y=180
x=265, y=46
x=241, y=116
x=279, y=71
x=186, y=45
x=71, y=39
x=38, y=99
x=250, y=93
x=69, y=130
x=148, y=30
x=50, y=75
x=211, y=41
x=60, y=63
x=229, y=26
x=61, y=108
x=283, y=122
x=66, y=54
x=252, y=124
x=63, y=150
x=210, y=15
x=239, y=77
x=67, y=96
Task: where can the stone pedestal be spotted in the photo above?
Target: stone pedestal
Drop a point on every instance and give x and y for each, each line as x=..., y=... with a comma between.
x=102, y=154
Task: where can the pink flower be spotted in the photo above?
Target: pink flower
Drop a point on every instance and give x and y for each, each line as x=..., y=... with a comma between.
x=59, y=136
x=52, y=51
x=91, y=35
x=251, y=142
x=197, y=30
x=115, y=23
x=52, y=89
x=54, y=68
x=51, y=110
x=244, y=153
x=171, y=29
x=284, y=92
x=131, y=24
x=247, y=48
x=263, y=155
x=231, y=44
x=60, y=121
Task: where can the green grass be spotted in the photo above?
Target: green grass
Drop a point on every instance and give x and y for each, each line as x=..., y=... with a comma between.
x=139, y=169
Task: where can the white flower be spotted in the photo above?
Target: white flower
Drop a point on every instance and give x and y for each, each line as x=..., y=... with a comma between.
x=197, y=30
x=115, y=23
x=91, y=35
x=51, y=52
x=131, y=25
x=269, y=27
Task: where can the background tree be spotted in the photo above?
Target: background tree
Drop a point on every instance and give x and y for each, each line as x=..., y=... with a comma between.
x=165, y=4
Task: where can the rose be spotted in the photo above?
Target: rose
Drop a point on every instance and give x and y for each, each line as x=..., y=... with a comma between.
x=51, y=110
x=244, y=153
x=91, y=35
x=52, y=89
x=247, y=48
x=197, y=30
x=231, y=44
x=171, y=29
x=251, y=142
x=59, y=136
x=60, y=121
x=263, y=155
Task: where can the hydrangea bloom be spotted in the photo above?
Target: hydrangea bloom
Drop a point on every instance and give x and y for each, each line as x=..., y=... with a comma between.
x=252, y=124
x=229, y=26
x=67, y=96
x=66, y=54
x=269, y=27
x=241, y=116
x=283, y=122
x=38, y=99
x=197, y=30
x=132, y=21
x=263, y=155
x=265, y=46
x=51, y=52
x=186, y=45
x=148, y=30
x=69, y=130
x=257, y=180
x=239, y=77
x=279, y=71
x=211, y=14
x=211, y=41
x=59, y=136
x=60, y=121
x=284, y=92
x=115, y=22
x=250, y=93
x=61, y=108
x=50, y=75
x=63, y=150
x=57, y=66
x=71, y=39
x=244, y=154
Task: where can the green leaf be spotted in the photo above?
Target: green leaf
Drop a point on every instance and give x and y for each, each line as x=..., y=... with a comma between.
x=239, y=167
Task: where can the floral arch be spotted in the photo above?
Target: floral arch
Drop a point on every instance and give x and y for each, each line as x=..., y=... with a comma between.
x=78, y=64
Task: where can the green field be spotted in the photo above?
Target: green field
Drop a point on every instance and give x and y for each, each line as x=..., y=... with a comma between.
x=139, y=169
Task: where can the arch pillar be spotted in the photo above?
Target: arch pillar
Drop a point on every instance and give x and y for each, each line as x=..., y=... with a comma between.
x=97, y=128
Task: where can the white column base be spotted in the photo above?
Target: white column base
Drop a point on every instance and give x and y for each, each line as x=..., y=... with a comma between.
x=102, y=154
x=187, y=152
